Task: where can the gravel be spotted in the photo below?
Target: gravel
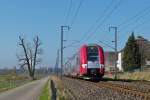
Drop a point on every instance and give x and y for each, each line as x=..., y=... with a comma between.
x=82, y=90
x=140, y=85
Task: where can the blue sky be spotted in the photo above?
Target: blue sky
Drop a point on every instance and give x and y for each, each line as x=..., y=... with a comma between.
x=29, y=18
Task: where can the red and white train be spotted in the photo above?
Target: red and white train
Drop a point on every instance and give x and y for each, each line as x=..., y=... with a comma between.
x=88, y=63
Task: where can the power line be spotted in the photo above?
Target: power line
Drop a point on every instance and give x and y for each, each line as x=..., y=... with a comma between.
x=136, y=19
x=133, y=17
x=109, y=14
x=141, y=24
x=104, y=19
x=106, y=45
x=146, y=21
x=68, y=13
x=72, y=44
x=86, y=36
x=76, y=13
x=98, y=19
x=138, y=26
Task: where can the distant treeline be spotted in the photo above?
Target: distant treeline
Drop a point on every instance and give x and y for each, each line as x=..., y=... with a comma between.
x=44, y=70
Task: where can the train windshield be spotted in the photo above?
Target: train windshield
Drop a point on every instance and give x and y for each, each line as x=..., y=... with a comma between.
x=92, y=57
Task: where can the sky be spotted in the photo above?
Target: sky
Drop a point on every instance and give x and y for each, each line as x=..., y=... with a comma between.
x=89, y=22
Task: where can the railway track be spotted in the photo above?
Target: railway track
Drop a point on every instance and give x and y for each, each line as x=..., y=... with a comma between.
x=126, y=90
x=123, y=89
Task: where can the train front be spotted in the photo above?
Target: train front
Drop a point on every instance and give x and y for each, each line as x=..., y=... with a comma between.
x=92, y=62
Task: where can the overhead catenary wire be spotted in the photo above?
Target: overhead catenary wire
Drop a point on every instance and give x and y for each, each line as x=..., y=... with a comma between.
x=141, y=24
x=109, y=14
x=139, y=27
x=106, y=45
x=133, y=17
x=104, y=20
x=68, y=12
x=137, y=18
x=76, y=13
x=97, y=20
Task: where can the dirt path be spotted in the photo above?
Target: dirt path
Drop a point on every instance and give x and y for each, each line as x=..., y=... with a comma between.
x=30, y=91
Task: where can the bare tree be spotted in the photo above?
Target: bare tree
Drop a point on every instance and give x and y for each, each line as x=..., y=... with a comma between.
x=30, y=53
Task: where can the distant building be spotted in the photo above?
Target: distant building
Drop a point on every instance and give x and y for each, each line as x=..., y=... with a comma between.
x=109, y=60
x=119, y=61
x=144, y=48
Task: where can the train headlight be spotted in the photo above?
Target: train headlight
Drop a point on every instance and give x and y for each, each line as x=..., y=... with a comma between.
x=101, y=65
x=84, y=65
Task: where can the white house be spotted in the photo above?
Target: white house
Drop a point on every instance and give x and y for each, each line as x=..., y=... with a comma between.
x=119, y=61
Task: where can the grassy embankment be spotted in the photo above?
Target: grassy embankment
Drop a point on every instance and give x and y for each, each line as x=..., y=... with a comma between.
x=46, y=92
x=145, y=75
x=135, y=76
x=61, y=91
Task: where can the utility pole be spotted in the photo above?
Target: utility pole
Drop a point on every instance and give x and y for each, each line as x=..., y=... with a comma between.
x=62, y=47
x=141, y=56
x=57, y=62
x=116, y=54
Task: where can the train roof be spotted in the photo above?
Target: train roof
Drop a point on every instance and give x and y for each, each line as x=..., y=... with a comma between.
x=92, y=45
x=86, y=45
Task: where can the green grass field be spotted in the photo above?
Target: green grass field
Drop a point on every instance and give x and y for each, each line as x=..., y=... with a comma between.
x=10, y=81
